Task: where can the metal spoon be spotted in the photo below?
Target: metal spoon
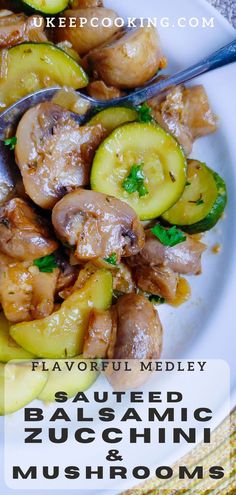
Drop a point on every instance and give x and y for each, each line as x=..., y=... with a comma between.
x=11, y=116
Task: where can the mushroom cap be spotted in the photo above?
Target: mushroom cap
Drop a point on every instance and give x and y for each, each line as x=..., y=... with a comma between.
x=138, y=329
x=23, y=234
x=54, y=153
x=127, y=60
x=98, y=225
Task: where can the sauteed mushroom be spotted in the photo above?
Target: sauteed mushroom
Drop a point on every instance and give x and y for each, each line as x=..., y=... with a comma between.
x=23, y=234
x=25, y=292
x=97, y=225
x=129, y=59
x=137, y=329
x=183, y=258
x=18, y=28
x=130, y=330
x=85, y=37
x=54, y=153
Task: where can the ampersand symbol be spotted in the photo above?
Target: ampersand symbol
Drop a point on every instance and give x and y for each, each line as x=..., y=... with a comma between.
x=113, y=455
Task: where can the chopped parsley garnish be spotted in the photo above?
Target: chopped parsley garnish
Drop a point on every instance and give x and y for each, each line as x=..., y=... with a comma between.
x=112, y=259
x=11, y=142
x=156, y=299
x=46, y=264
x=168, y=237
x=199, y=201
x=134, y=182
x=144, y=113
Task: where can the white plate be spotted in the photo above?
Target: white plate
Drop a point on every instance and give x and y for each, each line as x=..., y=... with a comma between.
x=204, y=327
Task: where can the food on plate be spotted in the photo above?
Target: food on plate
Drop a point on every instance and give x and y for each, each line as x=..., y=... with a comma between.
x=92, y=33
x=28, y=67
x=46, y=6
x=20, y=227
x=116, y=333
x=111, y=118
x=27, y=293
x=101, y=91
x=129, y=59
x=185, y=113
x=9, y=349
x=202, y=202
x=70, y=381
x=84, y=4
x=18, y=28
x=142, y=165
x=61, y=334
x=157, y=268
x=97, y=225
x=134, y=316
x=54, y=153
x=19, y=386
x=106, y=221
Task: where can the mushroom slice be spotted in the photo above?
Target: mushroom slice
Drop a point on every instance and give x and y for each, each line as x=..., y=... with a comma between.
x=157, y=280
x=54, y=153
x=23, y=234
x=183, y=258
x=89, y=33
x=129, y=59
x=98, y=334
x=18, y=28
x=97, y=225
x=185, y=113
x=25, y=292
x=137, y=328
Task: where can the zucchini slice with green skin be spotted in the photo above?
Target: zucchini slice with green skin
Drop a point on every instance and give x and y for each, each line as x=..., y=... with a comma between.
x=71, y=382
x=203, y=201
x=147, y=147
x=19, y=385
x=46, y=6
x=114, y=117
x=9, y=349
x=33, y=66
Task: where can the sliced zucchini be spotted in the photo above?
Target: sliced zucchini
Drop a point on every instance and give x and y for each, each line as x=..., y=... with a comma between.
x=71, y=382
x=46, y=6
x=61, y=334
x=113, y=117
x=9, y=349
x=19, y=385
x=159, y=162
x=203, y=201
x=29, y=67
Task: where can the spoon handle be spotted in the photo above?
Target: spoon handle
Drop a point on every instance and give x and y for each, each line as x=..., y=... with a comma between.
x=224, y=56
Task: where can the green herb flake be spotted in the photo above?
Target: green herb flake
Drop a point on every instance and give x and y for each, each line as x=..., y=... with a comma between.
x=112, y=259
x=199, y=201
x=156, y=299
x=11, y=142
x=168, y=237
x=188, y=183
x=134, y=182
x=46, y=264
x=144, y=113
